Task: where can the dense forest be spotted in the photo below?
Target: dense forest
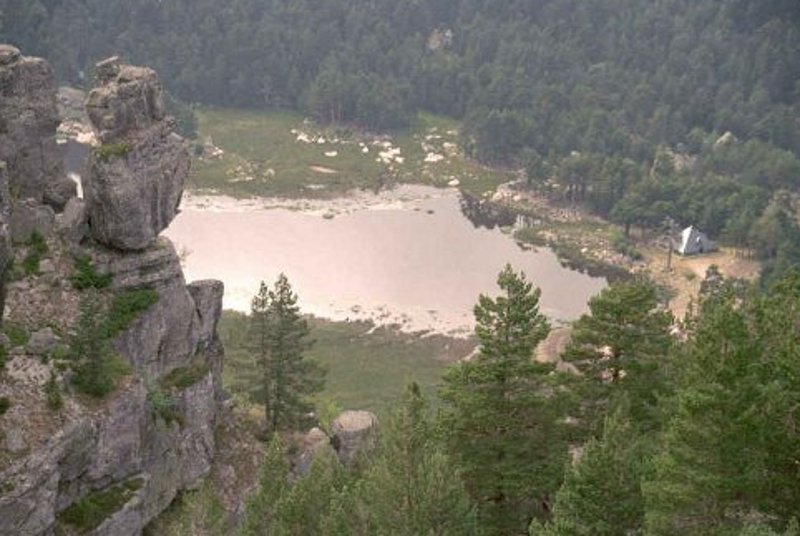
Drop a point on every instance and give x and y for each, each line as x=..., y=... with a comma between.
x=620, y=104
x=650, y=425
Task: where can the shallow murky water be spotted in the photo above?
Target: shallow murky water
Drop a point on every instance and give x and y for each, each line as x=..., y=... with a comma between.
x=408, y=256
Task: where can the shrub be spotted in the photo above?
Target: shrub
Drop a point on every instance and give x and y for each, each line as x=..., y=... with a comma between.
x=5, y=404
x=86, y=275
x=17, y=334
x=88, y=513
x=622, y=245
x=163, y=405
x=96, y=367
x=183, y=377
x=37, y=249
x=55, y=401
x=106, y=152
x=125, y=307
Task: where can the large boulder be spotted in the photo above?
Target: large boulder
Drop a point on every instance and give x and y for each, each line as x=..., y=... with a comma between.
x=135, y=178
x=354, y=433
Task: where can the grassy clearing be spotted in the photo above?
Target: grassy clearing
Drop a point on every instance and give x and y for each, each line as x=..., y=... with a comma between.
x=264, y=157
x=368, y=368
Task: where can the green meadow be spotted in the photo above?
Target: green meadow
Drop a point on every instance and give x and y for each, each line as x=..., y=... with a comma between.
x=280, y=153
x=367, y=367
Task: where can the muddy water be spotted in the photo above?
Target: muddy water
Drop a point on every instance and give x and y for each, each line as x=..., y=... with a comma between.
x=409, y=256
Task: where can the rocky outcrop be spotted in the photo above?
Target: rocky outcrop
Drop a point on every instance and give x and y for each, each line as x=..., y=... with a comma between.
x=28, y=122
x=155, y=435
x=136, y=176
x=353, y=432
x=30, y=162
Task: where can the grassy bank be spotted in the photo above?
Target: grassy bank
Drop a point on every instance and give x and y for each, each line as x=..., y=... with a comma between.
x=368, y=367
x=282, y=154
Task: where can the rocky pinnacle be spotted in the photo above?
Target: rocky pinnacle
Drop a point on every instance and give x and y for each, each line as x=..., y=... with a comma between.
x=136, y=176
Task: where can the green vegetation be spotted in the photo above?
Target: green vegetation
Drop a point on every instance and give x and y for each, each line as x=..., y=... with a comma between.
x=86, y=275
x=88, y=513
x=499, y=416
x=3, y=357
x=264, y=157
x=96, y=367
x=163, y=405
x=37, y=249
x=619, y=349
x=16, y=333
x=5, y=404
x=125, y=307
x=368, y=367
x=192, y=513
x=108, y=151
x=52, y=391
x=689, y=118
x=406, y=488
x=186, y=376
x=622, y=244
x=278, y=340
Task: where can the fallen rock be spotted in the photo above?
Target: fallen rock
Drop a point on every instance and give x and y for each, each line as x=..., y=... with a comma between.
x=43, y=342
x=353, y=433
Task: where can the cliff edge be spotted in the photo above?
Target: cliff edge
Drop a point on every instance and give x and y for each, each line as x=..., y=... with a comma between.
x=71, y=463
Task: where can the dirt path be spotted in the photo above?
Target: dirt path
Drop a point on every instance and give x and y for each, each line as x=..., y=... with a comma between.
x=688, y=272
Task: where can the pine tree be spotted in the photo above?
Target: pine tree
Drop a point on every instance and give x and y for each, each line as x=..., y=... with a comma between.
x=96, y=368
x=500, y=419
x=302, y=509
x=708, y=471
x=411, y=487
x=278, y=338
x=273, y=484
x=620, y=349
x=601, y=494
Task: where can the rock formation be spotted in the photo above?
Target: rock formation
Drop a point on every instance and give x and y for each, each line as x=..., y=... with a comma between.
x=154, y=435
x=354, y=432
x=136, y=176
x=28, y=122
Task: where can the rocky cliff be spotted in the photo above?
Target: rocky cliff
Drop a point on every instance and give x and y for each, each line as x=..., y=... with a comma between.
x=71, y=463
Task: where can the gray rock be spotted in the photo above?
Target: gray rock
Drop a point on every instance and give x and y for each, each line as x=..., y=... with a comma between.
x=354, y=432
x=134, y=181
x=207, y=297
x=29, y=117
x=73, y=223
x=47, y=267
x=59, y=191
x=131, y=199
x=313, y=442
x=165, y=335
x=15, y=442
x=127, y=100
x=43, y=342
x=29, y=216
x=5, y=233
x=8, y=54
